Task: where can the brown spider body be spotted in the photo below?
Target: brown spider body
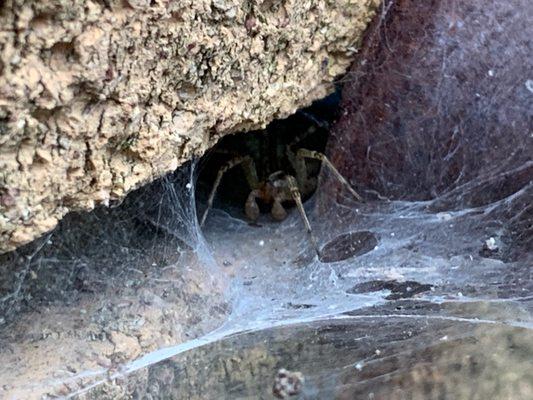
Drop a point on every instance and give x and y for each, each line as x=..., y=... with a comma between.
x=272, y=192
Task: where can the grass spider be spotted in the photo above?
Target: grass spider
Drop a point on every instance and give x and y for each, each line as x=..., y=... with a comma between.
x=279, y=188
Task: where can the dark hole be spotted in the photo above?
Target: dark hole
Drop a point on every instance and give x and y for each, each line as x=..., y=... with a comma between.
x=348, y=245
x=308, y=128
x=399, y=290
x=299, y=306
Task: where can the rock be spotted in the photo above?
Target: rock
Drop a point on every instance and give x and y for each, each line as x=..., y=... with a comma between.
x=470, y=149
x=126, y=347
x=99, y=98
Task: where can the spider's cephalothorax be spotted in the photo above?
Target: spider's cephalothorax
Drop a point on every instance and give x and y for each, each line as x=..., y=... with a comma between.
x=279, y=187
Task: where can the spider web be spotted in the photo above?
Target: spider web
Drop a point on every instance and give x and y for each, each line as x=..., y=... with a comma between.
x=436, y=135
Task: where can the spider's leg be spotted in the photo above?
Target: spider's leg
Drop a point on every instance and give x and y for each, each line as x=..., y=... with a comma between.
x=249, y=170
x=304, y=153
x=295, y=193
x=312, y=129
x=298, y=164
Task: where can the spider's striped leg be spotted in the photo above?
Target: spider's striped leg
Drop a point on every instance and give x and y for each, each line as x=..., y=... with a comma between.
x=249, y=170
x=304, y=153
x=298, y=163
x=295, y=193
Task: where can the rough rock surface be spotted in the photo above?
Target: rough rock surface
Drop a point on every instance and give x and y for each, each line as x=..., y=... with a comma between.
x=100, y=97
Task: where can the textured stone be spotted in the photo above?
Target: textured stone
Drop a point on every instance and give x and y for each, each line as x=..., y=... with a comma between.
x=100, y=97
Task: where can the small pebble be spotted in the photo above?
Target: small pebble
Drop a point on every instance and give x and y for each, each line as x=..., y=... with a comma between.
x=491, y=244
x=287, y=383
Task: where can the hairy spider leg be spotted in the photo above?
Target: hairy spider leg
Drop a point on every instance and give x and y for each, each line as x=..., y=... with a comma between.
x=295, y=193
x=247, y=163
x=305, y=184
x=304, y=153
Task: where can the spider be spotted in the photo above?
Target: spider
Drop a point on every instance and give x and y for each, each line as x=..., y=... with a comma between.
x=279, y=187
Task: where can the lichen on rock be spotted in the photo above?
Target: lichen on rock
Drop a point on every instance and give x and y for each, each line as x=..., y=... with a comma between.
x=100, y=97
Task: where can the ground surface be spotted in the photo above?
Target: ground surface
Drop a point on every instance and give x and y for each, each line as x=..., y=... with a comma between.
x=437, y=257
